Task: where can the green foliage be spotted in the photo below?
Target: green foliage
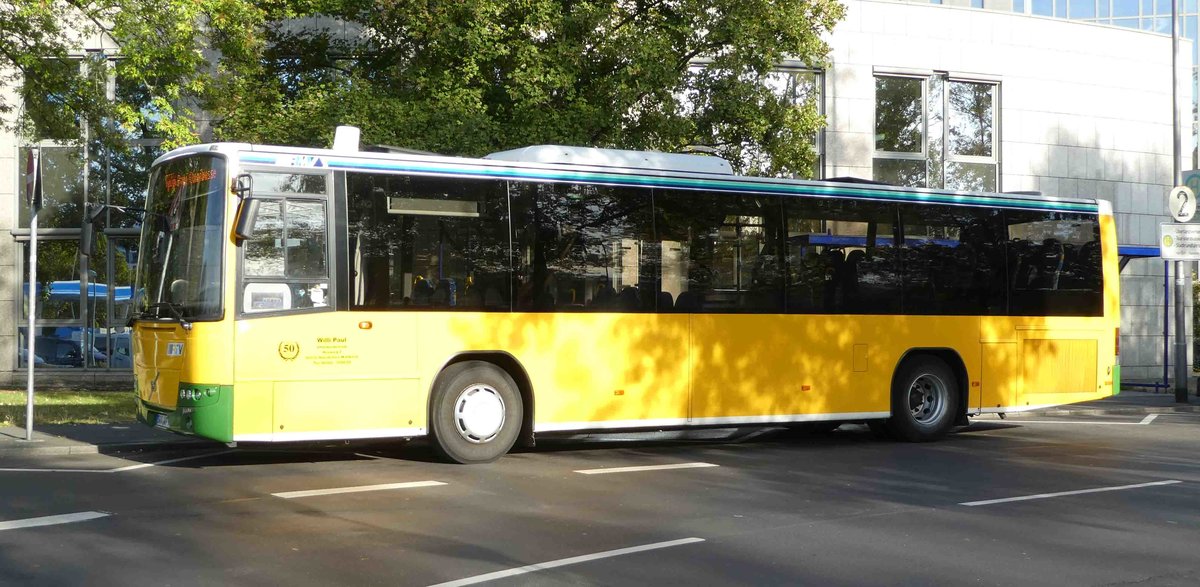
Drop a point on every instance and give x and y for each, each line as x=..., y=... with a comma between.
x=163, y=53
x=466, y=77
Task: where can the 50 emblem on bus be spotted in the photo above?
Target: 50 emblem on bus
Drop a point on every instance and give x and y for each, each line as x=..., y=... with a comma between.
x=289, y=350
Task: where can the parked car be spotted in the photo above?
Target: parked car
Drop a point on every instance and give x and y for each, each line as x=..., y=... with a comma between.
x=64, y=352
x=38, y=361
x=116, y=346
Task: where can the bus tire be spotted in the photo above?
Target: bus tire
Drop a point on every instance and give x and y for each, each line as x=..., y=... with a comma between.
x=475, y=413
x=925, y=399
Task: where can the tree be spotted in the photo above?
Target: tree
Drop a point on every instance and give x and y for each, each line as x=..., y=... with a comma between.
x=168, y=56
x=466, y=77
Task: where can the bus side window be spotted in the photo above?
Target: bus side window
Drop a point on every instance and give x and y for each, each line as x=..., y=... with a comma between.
x=427, y=243
x=950, y=262
x=1054, y=264
x=734, y=247
x=285, y=263
x=583, y=248
x=841, y=257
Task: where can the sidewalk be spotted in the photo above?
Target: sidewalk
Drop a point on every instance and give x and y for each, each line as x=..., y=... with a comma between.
x=110, y=438
x=1128, y=403
x=67, y=439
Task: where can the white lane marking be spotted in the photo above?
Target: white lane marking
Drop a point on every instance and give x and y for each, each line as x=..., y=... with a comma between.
x=52, y=520
x=360, y=488
x=168, y=461
x=1145, y=421
x=1066, y=493
x=565, y=561
x=645, y=468
x=118, y=469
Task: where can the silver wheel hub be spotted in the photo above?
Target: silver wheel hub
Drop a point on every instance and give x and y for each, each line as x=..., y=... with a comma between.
x=479, y=413
x=927, y=399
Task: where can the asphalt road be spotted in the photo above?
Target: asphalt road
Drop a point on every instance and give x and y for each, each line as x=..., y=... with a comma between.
x=1102, y=501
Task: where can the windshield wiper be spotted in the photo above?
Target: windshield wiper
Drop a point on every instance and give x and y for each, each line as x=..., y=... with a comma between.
x=170, y=307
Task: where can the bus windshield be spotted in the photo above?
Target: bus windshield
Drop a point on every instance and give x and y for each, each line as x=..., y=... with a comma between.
x=179, y=273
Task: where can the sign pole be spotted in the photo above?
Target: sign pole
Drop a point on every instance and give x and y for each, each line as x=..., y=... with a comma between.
x=32, y=185
x=29, y=331
x=1181, y=362
x=1180, y=241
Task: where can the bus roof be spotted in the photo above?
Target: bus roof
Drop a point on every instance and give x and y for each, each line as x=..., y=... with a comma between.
x=600, y=169
x=618, y=158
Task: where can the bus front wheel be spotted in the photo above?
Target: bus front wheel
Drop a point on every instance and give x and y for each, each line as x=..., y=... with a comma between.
x=476, y=413
x=925, y=399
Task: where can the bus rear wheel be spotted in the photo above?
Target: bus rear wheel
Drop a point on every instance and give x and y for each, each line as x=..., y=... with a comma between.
x=475, y=414
x=925, y=398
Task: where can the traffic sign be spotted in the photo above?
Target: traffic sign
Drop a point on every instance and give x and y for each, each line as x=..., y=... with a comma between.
x=1191, y=178
x=1179, y=242
x=1182, y=203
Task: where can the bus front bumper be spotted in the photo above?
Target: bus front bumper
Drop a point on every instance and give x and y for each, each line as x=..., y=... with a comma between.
x=201, y=410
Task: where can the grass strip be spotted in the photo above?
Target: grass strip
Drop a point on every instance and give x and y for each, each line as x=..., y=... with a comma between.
x=68, y=407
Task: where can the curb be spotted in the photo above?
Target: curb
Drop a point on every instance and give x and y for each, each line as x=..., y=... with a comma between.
x=110, y=448
x=1117, y=411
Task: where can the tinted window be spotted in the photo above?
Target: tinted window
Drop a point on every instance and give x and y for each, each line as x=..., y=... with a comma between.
x=841, y=257
x=427, y=243
x=721, y=252
x=1054, y=264
x=287, y=183
x=583, y=248
x=953, y=260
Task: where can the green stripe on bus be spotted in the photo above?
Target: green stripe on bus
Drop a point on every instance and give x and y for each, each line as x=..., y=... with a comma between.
x=706, y=183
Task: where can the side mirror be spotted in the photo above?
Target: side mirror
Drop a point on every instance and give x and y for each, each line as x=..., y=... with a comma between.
x=243, y=186
x=247, y=211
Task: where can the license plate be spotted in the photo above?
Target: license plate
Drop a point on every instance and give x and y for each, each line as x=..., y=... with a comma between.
x=160, y=421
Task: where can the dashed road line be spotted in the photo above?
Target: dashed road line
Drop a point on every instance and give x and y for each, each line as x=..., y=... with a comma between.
x=1066, y=493
x=645, y=468
x=566, y=561
x=52, y=520
x=359, y=489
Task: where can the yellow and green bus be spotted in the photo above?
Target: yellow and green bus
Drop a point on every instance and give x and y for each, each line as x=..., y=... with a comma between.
x=293, y=294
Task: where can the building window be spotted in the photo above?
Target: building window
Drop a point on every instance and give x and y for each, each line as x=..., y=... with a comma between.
x=801, y=85
x=936, y=132
x=62, y=170
x=81, y=309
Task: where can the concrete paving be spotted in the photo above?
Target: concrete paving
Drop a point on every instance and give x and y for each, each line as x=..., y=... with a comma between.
x=68, y=439
x=116, y=438
x=1031, y=501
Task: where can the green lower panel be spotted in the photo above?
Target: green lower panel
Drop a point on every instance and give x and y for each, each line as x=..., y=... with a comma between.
x=202, y=410
x=1116, y=379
